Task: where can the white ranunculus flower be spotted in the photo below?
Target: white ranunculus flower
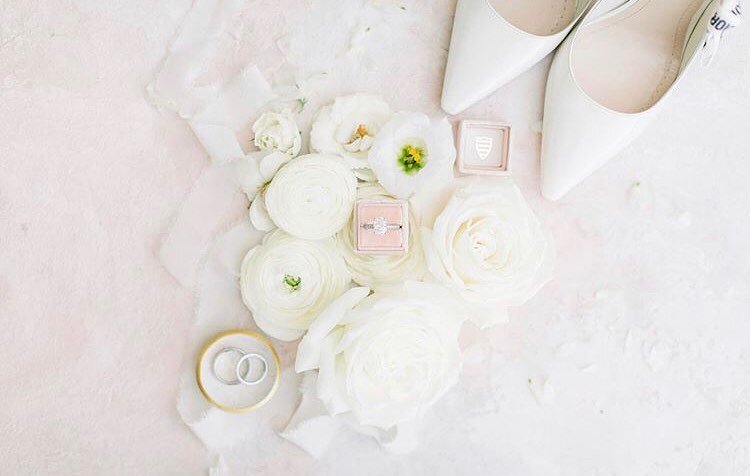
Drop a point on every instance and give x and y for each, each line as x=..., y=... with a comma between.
x=383, y=360
x=488, y=246
x=277, y=132
x=312, y=196
x=286, y=282
x=348, y=127
x=377, y=270
x=412, y=151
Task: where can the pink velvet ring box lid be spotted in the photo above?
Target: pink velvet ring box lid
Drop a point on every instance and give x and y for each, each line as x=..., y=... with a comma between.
x=483, y=147
x=394, y=240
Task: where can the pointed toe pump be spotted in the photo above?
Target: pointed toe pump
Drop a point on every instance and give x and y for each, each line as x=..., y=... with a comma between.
x=493, y=41
x=613, y=74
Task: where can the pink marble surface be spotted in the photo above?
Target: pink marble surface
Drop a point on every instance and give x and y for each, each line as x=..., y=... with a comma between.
x=90, y=177
x=634, y=360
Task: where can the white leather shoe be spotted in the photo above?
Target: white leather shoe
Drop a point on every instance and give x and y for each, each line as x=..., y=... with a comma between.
x=493, y=41
x=611, y=76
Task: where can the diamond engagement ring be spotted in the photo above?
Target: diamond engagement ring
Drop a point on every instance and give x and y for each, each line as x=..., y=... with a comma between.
x=380, y=226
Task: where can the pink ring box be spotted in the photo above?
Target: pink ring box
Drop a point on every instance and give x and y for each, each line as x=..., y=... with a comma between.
x=484, y=147
x=381, y=226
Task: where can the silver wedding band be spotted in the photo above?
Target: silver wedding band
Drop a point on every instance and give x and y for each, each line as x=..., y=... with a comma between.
x=241, y=376
x=246, y=358
x=218, y=376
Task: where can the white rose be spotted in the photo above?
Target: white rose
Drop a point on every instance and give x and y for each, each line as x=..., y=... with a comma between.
x=286, y=282
x=277, y=132
x=348, y=127
x=312, y=196
x=383, y=360
x=488, y=246
x=377, y=270
x=412, y=151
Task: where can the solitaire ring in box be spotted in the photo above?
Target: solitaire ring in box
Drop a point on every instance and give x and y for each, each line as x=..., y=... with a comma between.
x=484, y=148
x=382, y=226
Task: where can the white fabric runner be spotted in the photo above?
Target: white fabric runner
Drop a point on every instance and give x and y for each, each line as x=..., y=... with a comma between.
x=204, y=211
x=220, y=116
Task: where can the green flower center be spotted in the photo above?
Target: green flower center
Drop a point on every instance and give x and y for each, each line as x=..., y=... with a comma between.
x=294, y=282
x=412, y=159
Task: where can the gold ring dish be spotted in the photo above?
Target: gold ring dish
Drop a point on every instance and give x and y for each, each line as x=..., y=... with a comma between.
x=237, y=398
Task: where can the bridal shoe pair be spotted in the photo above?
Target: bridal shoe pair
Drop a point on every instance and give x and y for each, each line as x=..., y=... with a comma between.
x=610, y=75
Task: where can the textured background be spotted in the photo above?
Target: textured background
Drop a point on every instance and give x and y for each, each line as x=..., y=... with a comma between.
x=635, y=360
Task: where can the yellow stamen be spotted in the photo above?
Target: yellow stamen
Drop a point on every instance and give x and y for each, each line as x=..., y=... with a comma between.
x=359, y=133
x=416, y=154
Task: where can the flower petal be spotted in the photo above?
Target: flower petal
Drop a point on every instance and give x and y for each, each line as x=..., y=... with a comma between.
x=259, y=215
x=308, y=351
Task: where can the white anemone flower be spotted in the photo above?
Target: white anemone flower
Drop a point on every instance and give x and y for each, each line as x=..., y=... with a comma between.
x=412, y=151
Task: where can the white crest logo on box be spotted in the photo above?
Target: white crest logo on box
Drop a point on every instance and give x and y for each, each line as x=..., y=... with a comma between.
x=483, y=146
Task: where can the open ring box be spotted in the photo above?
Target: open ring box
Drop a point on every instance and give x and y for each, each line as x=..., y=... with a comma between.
x=483, y=147
x=381, y=227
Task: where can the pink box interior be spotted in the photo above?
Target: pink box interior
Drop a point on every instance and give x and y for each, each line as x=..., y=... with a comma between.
x=484, y=147
x=394, y=212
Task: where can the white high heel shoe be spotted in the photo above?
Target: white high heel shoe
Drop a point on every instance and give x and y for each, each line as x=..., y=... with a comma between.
x=493, y=41
x=611, y=76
